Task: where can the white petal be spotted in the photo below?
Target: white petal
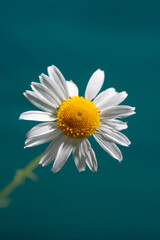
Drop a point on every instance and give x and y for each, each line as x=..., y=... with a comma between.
x=78, y=157
x=87, y=155
x=37, y=116
x=117, y=112
x=113, y=101
x=51, y=151
x=93, y=156
x=90, y=156
x=72, y=89
x=41, y=129
x=52, y=87
x=45, y=93
x=62, y=155
x=94, y=85
x=43, y=137
x=39, y=102
x=114, y=136
x=109, y=147
x=104, y=96
x=57, y=76
x=113, y=123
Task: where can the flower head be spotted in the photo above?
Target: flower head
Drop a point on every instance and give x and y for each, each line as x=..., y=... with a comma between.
x=69, y=119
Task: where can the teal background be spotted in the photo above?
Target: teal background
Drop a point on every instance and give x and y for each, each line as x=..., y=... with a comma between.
x=120, y=201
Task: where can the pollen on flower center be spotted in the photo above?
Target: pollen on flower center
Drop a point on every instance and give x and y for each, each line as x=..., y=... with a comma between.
x=78, y=117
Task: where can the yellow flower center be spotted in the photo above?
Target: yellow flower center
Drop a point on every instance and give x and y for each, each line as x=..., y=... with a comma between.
x=78, y=117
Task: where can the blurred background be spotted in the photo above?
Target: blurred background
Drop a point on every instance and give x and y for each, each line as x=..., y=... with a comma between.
x=120, y=201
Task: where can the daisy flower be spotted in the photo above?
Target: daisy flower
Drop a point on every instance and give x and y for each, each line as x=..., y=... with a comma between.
x=69, y=119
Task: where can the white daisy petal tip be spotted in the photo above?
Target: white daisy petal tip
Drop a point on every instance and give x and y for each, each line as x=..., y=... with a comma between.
x=81, y=170
x=125, y=126
x=100, y=73
x=41, y=75
x=42, y=164
x=120, y=158
x=34, y=84
x=124, y=93
x=21, y=117
x=94, y=170
x=72, y=88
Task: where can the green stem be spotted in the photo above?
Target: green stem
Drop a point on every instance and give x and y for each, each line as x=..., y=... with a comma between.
x=19, y=178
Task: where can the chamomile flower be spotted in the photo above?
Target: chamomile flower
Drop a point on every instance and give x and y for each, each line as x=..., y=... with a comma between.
x=69, y=119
